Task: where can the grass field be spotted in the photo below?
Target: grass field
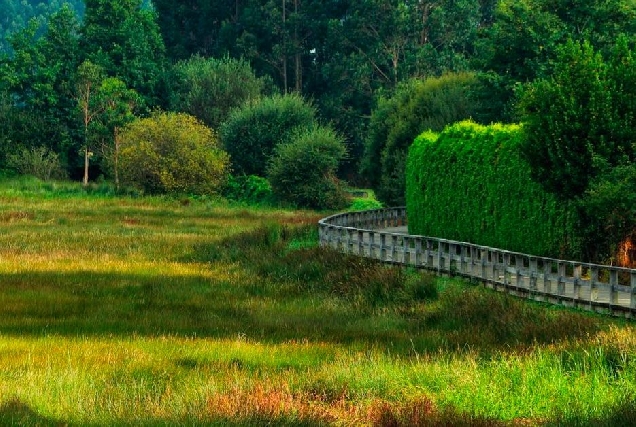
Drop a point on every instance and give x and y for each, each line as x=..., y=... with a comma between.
x=156, y=311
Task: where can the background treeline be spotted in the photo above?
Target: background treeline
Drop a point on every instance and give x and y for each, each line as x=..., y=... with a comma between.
x=16, y=14
x=368, y=76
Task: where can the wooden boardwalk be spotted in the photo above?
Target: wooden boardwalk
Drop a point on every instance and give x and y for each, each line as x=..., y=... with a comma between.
x=383, y=235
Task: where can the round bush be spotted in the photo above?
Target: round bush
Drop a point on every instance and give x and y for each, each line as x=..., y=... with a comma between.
x=252, y=132
x=210, y=88
x=303, y=171
x=172, y=153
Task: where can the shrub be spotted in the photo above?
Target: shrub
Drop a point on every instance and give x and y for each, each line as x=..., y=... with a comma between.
x=252, y=132
x=172, y=153
x=417, y=106
x=39, y=162
x=470, y=183
x=364, y=203
x=209, y=88
x=303, y=171
x=251, y=189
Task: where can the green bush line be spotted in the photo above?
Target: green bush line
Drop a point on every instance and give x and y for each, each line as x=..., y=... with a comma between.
x=470, y=183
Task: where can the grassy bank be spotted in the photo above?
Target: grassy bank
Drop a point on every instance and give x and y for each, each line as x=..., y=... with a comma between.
x=153, y=311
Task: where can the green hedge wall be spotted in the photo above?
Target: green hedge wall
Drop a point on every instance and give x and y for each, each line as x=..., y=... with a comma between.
x=470, y=183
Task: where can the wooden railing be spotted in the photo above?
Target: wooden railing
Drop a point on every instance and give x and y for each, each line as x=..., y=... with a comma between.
x=594, y=287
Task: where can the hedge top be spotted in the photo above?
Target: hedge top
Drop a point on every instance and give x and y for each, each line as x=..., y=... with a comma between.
x=470, y=183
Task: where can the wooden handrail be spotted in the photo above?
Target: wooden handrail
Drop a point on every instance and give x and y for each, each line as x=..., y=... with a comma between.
x=594, y=287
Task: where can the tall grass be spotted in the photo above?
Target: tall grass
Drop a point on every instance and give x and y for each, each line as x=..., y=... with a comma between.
x=135, y=311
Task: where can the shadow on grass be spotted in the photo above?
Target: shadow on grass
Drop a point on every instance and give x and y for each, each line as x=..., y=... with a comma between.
x=622, y=415
x=16, y=413
x=90, y=303
x=274, y=285
x=418, y=413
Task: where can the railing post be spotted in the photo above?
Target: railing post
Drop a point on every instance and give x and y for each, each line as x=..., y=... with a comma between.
x=506, y=264
x=632, y=293
x=452, y=262
x=394, y=244
x=440, y=258
x=593, y=286
x=534, y=273
x=561, y=281
x=613, y=297
x=428, y=256
x=350, y=240
x=547, y=278
x=518, y=270
x=484, y=263
x=494, y=266
x=383, y=246
x=371, y=244
x=462, y=260
x=578, y=270
x=418, y=251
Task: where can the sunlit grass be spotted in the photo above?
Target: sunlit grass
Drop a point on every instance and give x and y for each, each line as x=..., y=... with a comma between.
x=151, y=311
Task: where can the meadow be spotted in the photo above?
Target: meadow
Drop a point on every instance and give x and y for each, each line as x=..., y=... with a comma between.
x=127, y=310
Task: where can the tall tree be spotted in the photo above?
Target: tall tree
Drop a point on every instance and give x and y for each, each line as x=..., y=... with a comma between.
x=38, y=77
x=89, y=78
x=119, y=104
x=524, y=38
x=123, y=38
x=210, y=88
x=580, y=126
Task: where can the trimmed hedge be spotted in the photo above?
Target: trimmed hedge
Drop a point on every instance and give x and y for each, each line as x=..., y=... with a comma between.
x=470, y=183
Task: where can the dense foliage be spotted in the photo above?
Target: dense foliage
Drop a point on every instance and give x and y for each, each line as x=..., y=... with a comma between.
x=525, y=36
x=251, y=132
x=470, y=183
x=47, y=97
x=172, y=153
x=302, y=171
x=416, y=106
x=581, y=119
x=378, y=71
x=580, y=140
x=338, y=53
x=123, y=38
x=209, y=88
x=16, y=14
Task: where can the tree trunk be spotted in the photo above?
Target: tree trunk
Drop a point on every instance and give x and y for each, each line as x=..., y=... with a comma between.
x=116, y=160
x=284, y=49
x=85, y=180
x=298, y=68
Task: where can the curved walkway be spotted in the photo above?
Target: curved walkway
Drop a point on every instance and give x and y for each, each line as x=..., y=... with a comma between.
x=383, y=234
